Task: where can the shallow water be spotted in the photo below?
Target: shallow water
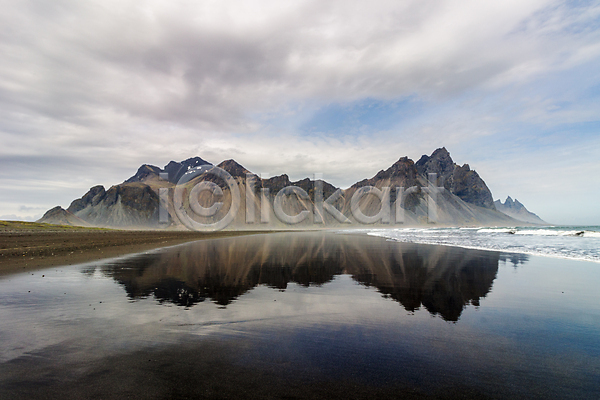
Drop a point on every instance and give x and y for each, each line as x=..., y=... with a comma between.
x=304, y=315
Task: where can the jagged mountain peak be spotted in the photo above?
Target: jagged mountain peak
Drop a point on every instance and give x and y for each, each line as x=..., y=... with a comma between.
x=176, y=170
x=190, y=162
x=234, y=168
x=194, y=162
x=136, y=202
x=401, y=173
x=173, y=169
x=403, y=160
x=510, y=203
x=441, y=152
x=129, y=204
x=144, y=172
x=401, y=164
x=276, y=183
x=461, y=181
x=439, y=163
x=404, y=167
x=517, y=203
x=516, y=209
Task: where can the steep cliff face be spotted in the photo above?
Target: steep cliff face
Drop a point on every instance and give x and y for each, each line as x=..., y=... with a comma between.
x=517, y=211
x=466, y=199
x=460, y=181
x=439, y=163
x=91, y=198
x=125, y=205
x=467, y=185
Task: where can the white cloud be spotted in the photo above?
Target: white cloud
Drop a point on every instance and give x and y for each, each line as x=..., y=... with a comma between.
x=91, y=90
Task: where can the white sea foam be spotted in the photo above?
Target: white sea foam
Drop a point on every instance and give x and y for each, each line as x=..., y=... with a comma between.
x=581, y=243
x=546, y=232
x=496, y=230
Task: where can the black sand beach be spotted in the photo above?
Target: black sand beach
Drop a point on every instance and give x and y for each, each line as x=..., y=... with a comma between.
x=303, y=315
x=31, y=246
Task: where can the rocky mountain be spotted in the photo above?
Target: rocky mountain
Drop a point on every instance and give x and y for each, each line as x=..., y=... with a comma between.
x=464, y=200
x=126, y=205
x=60, y=216
x=402, y=173
x=461, y=181
x=460, y=197
x=174, y=170
x=516, y=210
x=458, y=180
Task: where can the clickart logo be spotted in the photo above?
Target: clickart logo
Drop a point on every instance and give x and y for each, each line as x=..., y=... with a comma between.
x=201, y=204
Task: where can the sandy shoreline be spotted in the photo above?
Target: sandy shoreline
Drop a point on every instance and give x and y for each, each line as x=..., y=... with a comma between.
x=301, y=315
x=26, y=250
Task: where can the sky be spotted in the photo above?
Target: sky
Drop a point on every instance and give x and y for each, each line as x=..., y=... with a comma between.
x=91, y=90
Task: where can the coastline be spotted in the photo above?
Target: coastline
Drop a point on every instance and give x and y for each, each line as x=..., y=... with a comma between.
x=560, y=242
x=306, y=315
x=33, y=248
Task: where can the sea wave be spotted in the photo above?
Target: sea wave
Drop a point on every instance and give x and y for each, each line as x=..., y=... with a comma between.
x=496, y=230
x=541, y=232
x=560, y=242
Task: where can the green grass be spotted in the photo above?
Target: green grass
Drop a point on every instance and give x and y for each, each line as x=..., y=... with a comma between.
x=36, y=226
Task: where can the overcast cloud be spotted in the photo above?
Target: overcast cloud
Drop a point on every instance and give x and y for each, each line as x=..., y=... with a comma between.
x=90, y=90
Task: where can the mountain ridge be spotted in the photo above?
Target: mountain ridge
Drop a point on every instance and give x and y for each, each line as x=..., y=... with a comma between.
x=465, y=198
x=173, y=169
x=515, y=209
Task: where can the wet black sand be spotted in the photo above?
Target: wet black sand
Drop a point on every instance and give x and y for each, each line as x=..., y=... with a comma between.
x=302, y=316
x=31, y=249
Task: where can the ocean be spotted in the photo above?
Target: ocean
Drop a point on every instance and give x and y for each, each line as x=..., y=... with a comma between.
x=571, y=242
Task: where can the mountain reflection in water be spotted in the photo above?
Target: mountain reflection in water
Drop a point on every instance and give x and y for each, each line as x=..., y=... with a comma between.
x=443, y=280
